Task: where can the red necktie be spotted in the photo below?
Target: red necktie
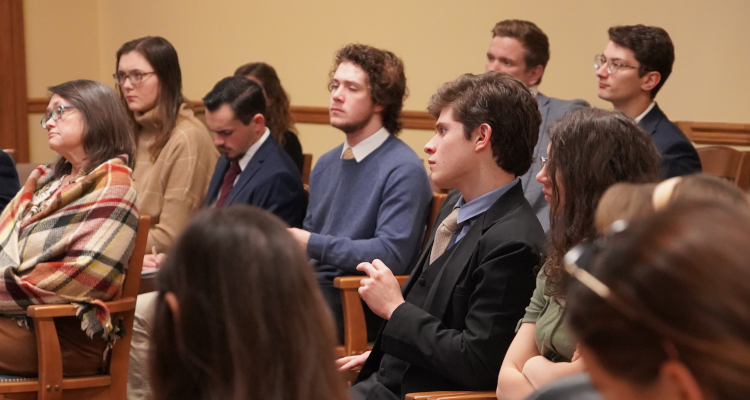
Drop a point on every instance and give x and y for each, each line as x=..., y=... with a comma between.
x=226, y=186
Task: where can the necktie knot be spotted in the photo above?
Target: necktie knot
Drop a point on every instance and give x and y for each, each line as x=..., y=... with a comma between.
x=444, y=234
x=348, y=154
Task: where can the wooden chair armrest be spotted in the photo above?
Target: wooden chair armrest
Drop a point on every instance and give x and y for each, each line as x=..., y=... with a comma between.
x=69, y=310
x=468, y=396
x=431, y=395
x=352, y=282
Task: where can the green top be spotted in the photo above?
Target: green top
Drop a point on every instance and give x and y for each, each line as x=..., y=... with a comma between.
x=553, y=339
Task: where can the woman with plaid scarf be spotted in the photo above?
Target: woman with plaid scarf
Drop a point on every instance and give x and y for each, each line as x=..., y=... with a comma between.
x=68, y=234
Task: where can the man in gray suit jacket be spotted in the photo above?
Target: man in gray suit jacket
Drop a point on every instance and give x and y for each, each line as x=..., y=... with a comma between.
x=521, y=49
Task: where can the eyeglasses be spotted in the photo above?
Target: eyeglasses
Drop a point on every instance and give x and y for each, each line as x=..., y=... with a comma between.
x=55, y=114
x=134, y=77
x=543, y=161
x=612, y=65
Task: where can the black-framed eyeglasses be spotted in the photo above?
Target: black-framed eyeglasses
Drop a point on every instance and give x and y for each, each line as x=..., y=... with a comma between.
x=55, y=114
x=135, y=77
x=543, y=161
x=613, y=65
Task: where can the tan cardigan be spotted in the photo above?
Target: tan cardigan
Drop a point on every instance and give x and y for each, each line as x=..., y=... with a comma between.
x=172, y=188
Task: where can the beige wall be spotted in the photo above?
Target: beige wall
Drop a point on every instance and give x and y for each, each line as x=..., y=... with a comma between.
x=438, y=40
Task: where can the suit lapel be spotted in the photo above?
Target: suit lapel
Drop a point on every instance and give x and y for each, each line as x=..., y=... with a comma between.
x=222, y=165
x=651, y=120
x=440, y=294
x=250, y=169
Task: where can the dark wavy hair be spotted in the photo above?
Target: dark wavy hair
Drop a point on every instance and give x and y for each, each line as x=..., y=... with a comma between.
x=107, y=133
x=251, y=324
x=385, y=79
x=590, y=150
x=652, y=47
x=500, y=101
x=685, y=272
x=163, y=59
x=279, y=118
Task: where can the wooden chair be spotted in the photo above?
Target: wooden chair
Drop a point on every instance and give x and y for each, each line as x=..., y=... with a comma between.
x=306, y=167
x=355, y=329
x=728, y=163
x=452, y=396
x=50, y=384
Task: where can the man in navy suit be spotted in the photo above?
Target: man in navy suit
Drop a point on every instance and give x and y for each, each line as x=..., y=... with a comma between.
x=634, y=66
x=8, y=179
x=253, y=168
x=521, y=49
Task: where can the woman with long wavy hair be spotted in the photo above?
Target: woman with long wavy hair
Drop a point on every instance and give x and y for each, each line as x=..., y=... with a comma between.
x=590, y=150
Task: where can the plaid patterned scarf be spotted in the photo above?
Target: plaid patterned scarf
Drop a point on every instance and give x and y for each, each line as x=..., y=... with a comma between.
x=73, y=248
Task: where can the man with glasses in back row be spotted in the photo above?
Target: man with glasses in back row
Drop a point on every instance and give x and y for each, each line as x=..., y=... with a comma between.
x=634, y=66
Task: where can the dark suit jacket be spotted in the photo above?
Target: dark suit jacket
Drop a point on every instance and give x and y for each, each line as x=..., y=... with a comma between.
x=678, y=156
x=458, y=339
x=270, y=181
x=551, y=109
x=9, y=184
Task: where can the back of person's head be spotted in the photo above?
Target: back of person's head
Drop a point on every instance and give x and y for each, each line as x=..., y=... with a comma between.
x=107, y=132
x=503, y=103
x=652, y=47
x=534, y=41
x=590, y=150
x=677, y=305
x=386, y=79
x=243, y=96
x=240, y=315
x=163, y=59
x=278, y=116
x=626, y=201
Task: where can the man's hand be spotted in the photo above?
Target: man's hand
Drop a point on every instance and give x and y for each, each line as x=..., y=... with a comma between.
x=152, y=262
x=301, y=236
x=351, y=362
x=380, y=290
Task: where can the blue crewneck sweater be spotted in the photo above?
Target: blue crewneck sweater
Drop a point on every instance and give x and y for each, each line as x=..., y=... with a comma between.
x=376, y=208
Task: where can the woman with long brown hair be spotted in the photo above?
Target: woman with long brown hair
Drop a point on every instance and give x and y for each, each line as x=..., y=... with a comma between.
x=176, y=155
x=240, y=316
x=668, y=314
x=590, y=149
x=278, y=116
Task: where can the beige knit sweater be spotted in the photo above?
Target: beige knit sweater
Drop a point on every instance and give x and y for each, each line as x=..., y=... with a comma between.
x=172, y=187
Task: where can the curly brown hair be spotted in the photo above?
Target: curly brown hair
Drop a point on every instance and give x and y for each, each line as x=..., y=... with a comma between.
x=278, y=116
x=590, y=150
x=385, y=79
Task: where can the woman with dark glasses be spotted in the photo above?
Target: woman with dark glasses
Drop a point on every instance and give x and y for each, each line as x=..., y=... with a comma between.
x=664, y=313
x=590, y=150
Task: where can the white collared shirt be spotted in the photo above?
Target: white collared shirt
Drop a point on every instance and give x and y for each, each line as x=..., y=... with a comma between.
x=640, y=117
x=534, y=90
x=251, y=152
x=367, y=146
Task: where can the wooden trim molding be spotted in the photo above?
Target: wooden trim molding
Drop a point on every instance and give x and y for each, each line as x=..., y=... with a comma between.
x=716, y=133
x=13, y=112
x=301, y=114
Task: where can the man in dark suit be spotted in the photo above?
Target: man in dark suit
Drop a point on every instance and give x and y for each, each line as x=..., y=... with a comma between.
x=521, y=49
x=253, y=168
x=9, y=184
x=450, y=327
x=632, y=69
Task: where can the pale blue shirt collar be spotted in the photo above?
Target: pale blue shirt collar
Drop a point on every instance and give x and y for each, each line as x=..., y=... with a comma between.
x=469, y=211
x=640, y=117
x=367, y=146
x=252, y=150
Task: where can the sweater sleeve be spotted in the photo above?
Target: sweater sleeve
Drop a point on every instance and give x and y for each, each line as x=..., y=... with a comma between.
x=400, y=225
x=184, y=182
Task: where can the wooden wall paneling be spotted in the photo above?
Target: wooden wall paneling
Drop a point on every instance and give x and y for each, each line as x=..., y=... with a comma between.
x=14, y=129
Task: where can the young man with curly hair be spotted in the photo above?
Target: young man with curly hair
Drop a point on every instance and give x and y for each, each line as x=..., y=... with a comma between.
x=369, y=197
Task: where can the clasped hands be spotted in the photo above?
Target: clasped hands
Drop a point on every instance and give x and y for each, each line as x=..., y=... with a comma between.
x=540, y=371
